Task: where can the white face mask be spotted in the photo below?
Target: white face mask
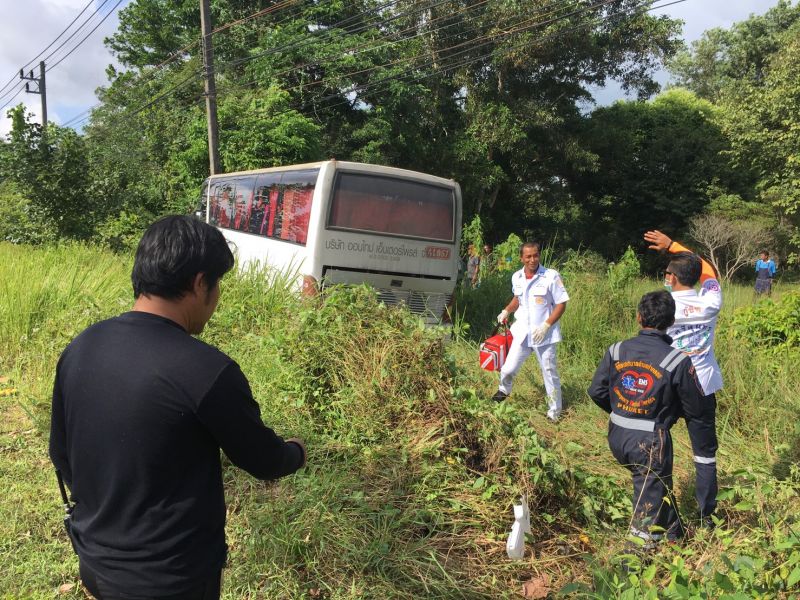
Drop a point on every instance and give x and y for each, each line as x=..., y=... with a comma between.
x=668, y=285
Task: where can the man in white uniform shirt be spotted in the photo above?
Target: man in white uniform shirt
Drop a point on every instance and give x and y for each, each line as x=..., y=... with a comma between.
x=539, y=301
x=693, y=332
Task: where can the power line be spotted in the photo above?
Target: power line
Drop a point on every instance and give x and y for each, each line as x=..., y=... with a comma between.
x=83, y=115
x=113, y=8
x=10, y=100
x=395, y=77
x=367, y=46
x=48, y=46
x=285, y=48
x=490, y=54
x=374, y=68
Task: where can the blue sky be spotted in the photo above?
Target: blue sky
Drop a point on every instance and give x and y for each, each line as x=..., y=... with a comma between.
x=28, y=26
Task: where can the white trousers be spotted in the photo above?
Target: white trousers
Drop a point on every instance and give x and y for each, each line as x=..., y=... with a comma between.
x=517, y=355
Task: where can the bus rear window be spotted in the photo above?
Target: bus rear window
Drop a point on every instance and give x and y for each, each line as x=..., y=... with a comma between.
x=391, y=206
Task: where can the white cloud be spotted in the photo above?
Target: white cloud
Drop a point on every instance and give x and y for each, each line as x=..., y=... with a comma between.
x=27, y=28
x=697, y=16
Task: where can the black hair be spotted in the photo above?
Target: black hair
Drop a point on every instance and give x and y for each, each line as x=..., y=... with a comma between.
x=536, y=245
x=657, y=310
x=173, y=251
x=687, y=267
x=765, y=252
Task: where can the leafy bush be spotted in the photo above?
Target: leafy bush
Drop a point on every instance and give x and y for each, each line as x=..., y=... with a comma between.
x=472, y=233
x=19, y=222
x=622, y=273
x=769, y=324
x=506, y=254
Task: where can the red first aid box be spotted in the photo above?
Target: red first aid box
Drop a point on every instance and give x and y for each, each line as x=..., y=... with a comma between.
x=495, y=349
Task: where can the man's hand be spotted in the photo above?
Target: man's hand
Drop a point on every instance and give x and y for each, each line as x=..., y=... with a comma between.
x=657, y=240
x=538, y=333
x=302, y=445
x=503, y=316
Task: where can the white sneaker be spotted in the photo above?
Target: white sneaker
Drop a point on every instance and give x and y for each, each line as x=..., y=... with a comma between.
x=553, y=416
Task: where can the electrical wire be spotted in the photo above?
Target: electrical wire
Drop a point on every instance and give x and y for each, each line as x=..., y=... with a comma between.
x=83, y=115
x=366, y=46
x=488, y=39
x=10, y=100
x=108, y=14
x=444, y=69
x=31, y=61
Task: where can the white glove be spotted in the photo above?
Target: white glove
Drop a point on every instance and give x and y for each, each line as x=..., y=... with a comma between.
x=538, y=333
x=503, y=316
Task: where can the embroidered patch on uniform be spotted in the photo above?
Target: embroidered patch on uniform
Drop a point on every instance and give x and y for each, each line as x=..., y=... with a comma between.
x=712, y=286
x=559, y=283
x=636, y=384
x=540, y=300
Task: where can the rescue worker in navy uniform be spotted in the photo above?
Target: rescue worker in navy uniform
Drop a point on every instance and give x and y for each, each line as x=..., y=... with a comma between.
x=539, y=301
x=696, y=314
x=646, y=385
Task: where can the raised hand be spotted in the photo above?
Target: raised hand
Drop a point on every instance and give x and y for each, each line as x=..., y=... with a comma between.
x=657, y=240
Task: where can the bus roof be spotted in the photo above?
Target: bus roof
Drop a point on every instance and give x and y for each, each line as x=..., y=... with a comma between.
x=348, y=166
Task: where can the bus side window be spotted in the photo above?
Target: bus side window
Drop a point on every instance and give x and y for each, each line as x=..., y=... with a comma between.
x=262, y=213
x=224, y=200
x=243, y=203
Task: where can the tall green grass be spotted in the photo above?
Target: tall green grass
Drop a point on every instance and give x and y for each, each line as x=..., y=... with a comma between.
x=412, y=471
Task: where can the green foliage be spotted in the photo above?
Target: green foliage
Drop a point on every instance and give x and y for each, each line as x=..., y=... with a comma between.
x=722, y=58
x=770, y=324
x=19, y=222
x=49, y=169
x=507, y=253
x=259, y=131
x=623, y=273
x=122, y=232
x=655, y=162
x=472, y=233
x=412, y=470
x=762, y=121
x=752, y=562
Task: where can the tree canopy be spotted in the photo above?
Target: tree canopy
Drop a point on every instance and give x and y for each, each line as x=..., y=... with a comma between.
x=492, y=94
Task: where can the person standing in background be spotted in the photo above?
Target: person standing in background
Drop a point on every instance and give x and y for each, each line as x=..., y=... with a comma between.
x=487, y=264
x=473, y=266
x=765, y=272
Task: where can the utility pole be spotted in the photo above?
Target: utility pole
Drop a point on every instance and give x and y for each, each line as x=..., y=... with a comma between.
x=210, y=86
x=41, y=88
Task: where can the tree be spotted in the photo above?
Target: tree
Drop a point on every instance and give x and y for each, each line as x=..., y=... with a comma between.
x=49, y=170
x=739, y=55
x=655, y=163
x=762, y=121
x=729, y=245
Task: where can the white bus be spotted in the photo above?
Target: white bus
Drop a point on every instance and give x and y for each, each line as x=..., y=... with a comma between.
x=344, y=222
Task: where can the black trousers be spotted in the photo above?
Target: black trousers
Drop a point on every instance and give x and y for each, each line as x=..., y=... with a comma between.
x=648, y=456
x=703, y=435
x=103, y=590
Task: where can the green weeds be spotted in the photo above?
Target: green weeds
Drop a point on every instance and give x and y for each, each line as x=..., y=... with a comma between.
x=412, y=471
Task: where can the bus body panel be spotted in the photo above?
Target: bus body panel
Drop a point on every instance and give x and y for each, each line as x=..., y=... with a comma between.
x=412, y=268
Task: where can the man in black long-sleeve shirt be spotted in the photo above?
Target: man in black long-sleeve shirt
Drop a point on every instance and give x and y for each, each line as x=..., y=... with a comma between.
x=646, y=385
x=140, y=411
